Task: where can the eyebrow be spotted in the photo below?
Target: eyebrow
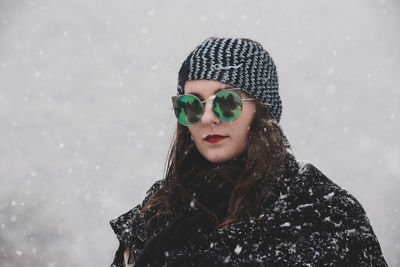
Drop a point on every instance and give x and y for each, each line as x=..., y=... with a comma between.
x=215, y=92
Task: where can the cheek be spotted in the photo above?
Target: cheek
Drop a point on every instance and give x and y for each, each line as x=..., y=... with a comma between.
x=242, y=135
x=244, y=122
x=192, y=130
x=244, y=125
x=194, y=133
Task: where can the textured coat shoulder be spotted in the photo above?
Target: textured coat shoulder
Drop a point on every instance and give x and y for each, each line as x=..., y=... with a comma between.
x=312, y=223
x=328, y=225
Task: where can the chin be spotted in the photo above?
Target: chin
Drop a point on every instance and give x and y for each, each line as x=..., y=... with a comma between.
x=217, y=158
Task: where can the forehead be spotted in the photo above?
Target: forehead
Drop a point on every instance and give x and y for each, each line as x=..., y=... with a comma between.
x=204, y=87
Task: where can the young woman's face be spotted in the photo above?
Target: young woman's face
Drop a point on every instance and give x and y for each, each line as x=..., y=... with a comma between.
x=218, y=140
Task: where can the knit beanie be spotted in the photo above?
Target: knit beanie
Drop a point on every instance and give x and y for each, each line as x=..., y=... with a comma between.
x=242, y=63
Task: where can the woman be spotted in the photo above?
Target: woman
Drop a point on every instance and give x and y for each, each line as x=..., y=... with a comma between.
x=233, y=193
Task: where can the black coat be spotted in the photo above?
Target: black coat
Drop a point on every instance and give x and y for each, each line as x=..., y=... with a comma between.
x=312, y=223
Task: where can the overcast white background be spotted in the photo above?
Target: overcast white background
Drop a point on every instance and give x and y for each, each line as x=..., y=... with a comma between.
x=85, y=118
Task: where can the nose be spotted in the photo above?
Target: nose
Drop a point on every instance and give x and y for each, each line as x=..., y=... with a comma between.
x=209, y=116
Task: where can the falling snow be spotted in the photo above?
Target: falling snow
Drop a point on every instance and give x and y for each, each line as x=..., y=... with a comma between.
x=238, y=249
x=85, y=106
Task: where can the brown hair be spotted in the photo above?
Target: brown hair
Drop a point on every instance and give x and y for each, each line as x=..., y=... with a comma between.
x=262, y=167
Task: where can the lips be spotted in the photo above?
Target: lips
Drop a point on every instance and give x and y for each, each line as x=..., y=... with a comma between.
x=214, y=138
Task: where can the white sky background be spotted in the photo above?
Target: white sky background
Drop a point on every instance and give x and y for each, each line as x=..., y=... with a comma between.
x=85, y=118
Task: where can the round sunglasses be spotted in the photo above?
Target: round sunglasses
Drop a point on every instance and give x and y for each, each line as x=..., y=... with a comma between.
x=226, y=104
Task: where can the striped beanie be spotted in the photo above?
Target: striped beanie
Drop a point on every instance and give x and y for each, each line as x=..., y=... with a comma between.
x=242, y=63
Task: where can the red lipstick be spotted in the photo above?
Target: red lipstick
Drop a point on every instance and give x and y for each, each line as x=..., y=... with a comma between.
x=214, y=138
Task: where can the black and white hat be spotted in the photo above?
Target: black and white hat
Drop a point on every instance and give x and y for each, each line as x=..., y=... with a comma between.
x=242, y=63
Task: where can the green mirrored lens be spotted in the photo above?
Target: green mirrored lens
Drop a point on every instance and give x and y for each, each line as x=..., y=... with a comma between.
x=188, y=110
x=227, y=105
